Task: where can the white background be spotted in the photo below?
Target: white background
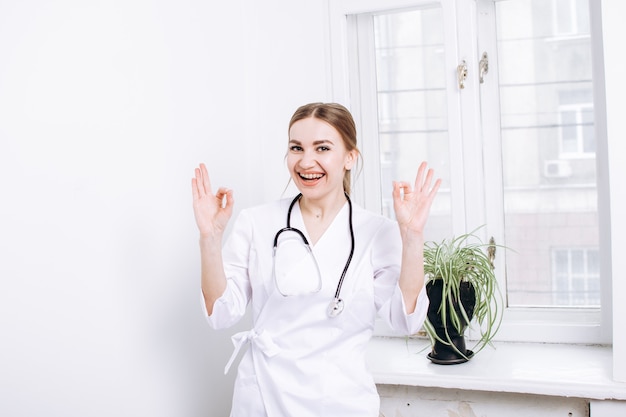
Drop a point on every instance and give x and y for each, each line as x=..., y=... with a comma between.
x=106, y=107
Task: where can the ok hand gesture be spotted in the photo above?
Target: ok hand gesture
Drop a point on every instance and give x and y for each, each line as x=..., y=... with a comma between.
x=212, y=212
x=412, y=206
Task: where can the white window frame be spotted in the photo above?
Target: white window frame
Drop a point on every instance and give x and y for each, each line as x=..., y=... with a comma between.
x=349, y=86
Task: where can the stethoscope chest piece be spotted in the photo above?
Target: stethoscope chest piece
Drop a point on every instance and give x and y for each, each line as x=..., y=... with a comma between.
x=335, y=307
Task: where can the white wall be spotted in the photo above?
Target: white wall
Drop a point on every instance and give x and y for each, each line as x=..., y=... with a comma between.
x=410, y=401
x=105, y=109
x=289, y=39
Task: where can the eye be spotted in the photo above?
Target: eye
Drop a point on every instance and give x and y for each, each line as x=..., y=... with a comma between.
x=295, y=148
x=323, y=148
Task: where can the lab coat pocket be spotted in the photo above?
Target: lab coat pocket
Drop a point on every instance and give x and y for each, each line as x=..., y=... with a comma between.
x=247, y=399
x=358, y=296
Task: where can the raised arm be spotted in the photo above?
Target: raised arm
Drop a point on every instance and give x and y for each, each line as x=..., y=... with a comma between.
x=212, y=213
x=412, y=207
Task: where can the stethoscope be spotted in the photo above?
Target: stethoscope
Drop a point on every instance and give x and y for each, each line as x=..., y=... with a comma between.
x=336, y=305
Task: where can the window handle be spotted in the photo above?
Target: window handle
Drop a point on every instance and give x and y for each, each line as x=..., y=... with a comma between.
x=491, y=251
x=483, y=67
x=461, y=73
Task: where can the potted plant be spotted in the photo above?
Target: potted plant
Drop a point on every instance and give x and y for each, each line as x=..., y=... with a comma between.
x=461, y=286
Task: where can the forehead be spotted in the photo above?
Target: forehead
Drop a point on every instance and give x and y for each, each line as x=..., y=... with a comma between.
x=313, y=129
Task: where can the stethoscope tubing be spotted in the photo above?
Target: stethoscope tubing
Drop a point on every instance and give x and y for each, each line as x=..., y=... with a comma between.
x=345, y=268
x=336, y=306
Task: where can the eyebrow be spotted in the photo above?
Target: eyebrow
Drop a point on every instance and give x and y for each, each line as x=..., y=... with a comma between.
x=316, y=142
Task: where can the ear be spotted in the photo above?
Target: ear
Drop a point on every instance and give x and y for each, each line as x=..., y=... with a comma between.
x=351, y=159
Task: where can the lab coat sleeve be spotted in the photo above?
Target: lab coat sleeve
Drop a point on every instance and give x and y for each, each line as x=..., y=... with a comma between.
x=231, y=306
x=386, y=258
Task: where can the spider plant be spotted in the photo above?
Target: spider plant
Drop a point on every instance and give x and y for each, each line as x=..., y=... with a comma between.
x=453, y=261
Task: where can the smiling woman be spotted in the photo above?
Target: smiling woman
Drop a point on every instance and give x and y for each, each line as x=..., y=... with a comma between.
x=328, y=127
x=363, y=263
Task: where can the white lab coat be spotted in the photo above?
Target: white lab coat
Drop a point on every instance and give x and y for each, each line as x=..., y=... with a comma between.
x=300, y=362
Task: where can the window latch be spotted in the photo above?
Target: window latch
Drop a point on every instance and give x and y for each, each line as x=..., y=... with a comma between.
x=491, y=251
x=483, y=67
x=461, y=73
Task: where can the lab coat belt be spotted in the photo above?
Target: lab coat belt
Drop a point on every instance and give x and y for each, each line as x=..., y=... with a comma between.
x=262, y=340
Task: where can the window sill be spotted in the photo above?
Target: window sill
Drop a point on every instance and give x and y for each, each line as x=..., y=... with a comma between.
x=528, y=368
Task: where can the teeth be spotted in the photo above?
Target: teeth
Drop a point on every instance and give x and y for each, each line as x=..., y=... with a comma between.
x=311, y=176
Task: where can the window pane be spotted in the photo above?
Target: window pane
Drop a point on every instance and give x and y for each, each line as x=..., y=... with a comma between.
x=412, y=115
x=548, y=145
x=577, y=262
x=589, y=142
x=563, y=16
x=569, y=131
x=576, y=277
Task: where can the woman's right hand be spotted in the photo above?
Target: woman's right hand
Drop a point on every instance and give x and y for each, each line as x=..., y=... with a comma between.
x=212, y=212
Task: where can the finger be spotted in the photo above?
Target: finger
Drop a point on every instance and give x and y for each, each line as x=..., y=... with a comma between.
x=206, y=181
x=194, y=189
x=428, y=180
x=401, y=189
x=435, y=188
x=430, y=198
x=230, y=202
x=199, y=188
x=419, y=178
x=223, y=196
x=420, y=173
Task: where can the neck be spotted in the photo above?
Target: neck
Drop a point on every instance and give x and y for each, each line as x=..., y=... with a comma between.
x=323, y=207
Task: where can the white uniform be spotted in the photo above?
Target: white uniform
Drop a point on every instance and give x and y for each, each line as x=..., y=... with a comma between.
x=300, y=361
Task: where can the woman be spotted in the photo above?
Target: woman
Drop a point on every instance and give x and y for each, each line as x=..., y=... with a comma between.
x=312, y=314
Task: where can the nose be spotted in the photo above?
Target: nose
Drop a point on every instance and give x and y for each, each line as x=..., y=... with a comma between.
x=308, y=159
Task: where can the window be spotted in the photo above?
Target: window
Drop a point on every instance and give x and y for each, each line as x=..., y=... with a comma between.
x=546, y=120
x=412, y=102
x=577, y=138
x=516, y=152
x=576, y=275
x=569, y=17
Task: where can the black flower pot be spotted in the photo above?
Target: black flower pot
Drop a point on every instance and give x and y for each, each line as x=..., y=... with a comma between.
x=455, y=351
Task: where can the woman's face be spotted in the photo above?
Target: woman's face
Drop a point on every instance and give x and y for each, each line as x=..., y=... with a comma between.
x=317, y=157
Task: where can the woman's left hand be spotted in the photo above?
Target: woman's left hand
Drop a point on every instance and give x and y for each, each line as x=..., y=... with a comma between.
x=412, y=206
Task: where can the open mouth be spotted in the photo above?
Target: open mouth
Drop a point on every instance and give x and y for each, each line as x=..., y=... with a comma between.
x=310, y=177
